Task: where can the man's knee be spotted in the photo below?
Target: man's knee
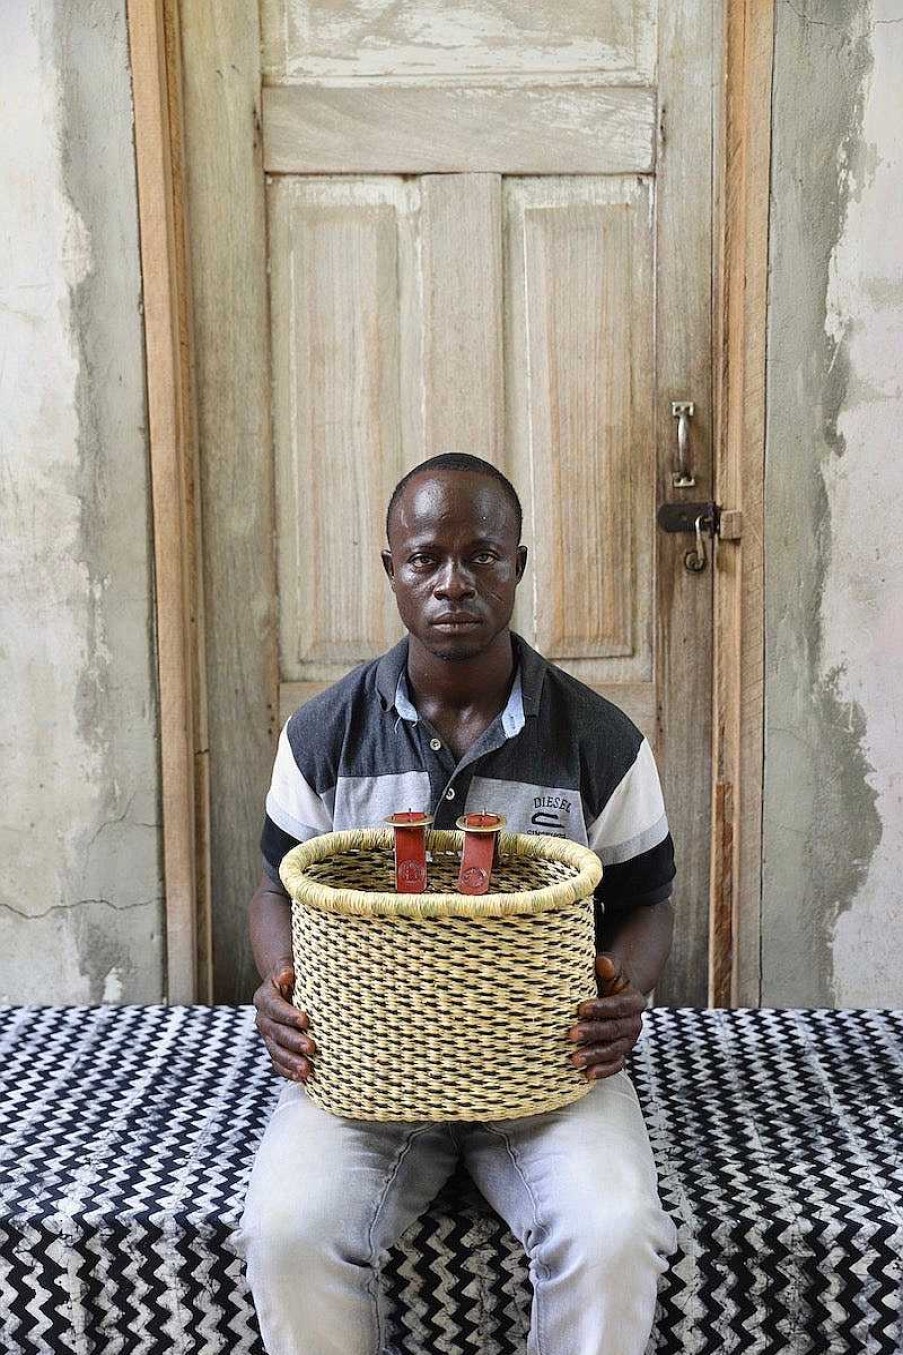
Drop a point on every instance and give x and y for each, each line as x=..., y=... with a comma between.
x=304, y=1234
x=632, y=1234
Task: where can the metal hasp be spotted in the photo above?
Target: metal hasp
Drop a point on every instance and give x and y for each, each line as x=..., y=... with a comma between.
x=681, y=517
x=682, y=411
x=701, y=520
x=698, y=518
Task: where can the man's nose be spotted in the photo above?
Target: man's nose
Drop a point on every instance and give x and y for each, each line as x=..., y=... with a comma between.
x=454, y=581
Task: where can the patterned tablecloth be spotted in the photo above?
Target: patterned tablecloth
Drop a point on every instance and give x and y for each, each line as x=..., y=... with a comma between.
x=127, y=1136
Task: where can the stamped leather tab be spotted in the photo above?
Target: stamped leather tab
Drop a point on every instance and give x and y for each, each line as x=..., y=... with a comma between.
x=410, y=850
x=481, y=841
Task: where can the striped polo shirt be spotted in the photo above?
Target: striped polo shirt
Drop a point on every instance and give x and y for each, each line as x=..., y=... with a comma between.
x=559, y=759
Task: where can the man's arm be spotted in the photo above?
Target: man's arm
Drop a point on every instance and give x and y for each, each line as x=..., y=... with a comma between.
x=637, y=942
x=281, y=1024
x=640, y=939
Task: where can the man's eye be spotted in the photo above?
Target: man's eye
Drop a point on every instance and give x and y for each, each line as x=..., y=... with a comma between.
x=485, y=557
x=420, y=559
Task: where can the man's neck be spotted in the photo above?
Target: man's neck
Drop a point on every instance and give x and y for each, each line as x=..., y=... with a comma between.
x=479, y=684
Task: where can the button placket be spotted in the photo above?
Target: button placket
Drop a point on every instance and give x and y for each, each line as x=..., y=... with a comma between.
x=453, y=797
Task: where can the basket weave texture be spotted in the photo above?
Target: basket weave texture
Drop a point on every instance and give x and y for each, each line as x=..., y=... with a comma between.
x=442, y=1006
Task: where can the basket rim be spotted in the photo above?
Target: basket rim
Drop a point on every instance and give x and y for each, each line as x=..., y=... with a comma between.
x=373, y=903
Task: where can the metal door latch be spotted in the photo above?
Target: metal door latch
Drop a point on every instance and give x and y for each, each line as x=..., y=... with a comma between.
x=701, y=520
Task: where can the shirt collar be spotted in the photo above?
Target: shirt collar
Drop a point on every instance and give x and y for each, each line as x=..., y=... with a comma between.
x=404, y=706
x=512, y=716
x=392, y=685
x=533, y=674
x=388, y=669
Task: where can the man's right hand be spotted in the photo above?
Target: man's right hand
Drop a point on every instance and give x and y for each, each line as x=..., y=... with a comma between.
x=283, y=1026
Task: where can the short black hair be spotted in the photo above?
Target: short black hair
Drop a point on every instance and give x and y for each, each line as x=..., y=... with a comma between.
x=460, y=461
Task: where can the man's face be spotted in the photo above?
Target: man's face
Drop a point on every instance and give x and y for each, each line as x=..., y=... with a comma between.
x=454, y=561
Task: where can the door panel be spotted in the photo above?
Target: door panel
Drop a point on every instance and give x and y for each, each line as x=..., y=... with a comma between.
x=580, y=311
x=346, y=324
x=305, y=39
x=391, y=310
x=463, y=314
x=311, y=129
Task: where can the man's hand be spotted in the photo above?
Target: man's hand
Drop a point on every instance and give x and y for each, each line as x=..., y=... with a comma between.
x=282, y=1025
x=610, y=1024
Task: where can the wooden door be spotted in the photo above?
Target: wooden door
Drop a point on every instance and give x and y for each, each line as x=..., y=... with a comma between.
x=483, y=228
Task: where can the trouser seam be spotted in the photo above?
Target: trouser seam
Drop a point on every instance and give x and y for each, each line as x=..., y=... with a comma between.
x=383, y=1195
x=515, y=1161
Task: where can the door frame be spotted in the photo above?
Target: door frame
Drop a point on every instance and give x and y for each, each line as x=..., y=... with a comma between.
x=182, y=105
x=153, y=33
x=740, y=297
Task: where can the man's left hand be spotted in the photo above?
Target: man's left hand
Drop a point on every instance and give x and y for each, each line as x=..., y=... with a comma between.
x=610, y=1024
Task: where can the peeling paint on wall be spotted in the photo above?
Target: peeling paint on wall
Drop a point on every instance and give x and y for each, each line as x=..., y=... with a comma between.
x=80, y=892
x=828, y=815
x=862, y=631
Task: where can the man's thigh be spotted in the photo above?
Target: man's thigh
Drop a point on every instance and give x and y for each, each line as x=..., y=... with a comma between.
x=358, y=1183
x=587, y=1167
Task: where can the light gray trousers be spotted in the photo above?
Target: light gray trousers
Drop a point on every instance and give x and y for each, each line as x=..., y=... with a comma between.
x=577, y=1186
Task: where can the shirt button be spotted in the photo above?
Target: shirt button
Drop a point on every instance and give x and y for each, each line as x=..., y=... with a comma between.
x=435, y=744
x=450, y=793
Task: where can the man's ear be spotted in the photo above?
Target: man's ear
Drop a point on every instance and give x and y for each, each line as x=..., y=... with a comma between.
x=389, y=567
x=521, y=563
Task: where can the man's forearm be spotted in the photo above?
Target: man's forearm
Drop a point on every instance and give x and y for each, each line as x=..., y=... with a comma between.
x=270, y=926
x=641, y=939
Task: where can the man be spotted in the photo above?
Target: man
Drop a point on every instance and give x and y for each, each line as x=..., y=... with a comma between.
x=464, y=715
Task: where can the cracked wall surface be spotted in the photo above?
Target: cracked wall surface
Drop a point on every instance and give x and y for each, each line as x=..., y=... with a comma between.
x=80, y=880
x=832, y=909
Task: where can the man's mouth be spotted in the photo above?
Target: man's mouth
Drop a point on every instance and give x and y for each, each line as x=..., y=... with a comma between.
x=455, y=621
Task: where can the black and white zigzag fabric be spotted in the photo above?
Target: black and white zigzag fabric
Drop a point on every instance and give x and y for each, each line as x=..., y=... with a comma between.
x=127, y=1136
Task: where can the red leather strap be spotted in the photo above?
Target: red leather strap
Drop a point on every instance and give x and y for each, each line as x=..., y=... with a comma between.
x=481, y=836
x=410, y=850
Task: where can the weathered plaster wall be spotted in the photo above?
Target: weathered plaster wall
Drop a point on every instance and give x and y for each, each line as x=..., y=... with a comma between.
x=833, y=827
x=80, y=892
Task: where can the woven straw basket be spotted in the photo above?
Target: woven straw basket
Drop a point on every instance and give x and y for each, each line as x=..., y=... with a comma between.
x=442, y=1006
